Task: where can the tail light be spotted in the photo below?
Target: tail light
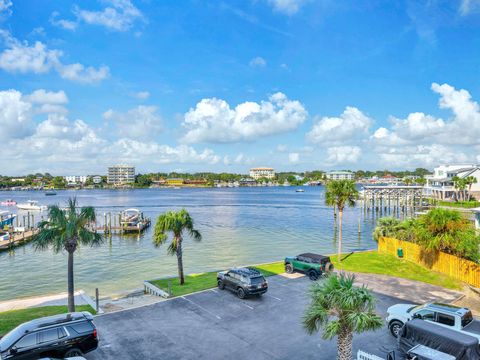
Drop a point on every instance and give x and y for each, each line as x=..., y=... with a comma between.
x=95, y=333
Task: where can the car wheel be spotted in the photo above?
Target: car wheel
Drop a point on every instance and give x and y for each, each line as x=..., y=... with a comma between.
x=289, y=268
x=221, y=285
x=241, y=293
x=395, y=327
x=313, y=275
x=73, y=352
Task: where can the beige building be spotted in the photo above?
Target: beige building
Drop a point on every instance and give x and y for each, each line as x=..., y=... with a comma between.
x=121, y=175
x=262, y=172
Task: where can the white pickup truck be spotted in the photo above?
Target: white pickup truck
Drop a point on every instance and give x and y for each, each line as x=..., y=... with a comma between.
x=449, y=316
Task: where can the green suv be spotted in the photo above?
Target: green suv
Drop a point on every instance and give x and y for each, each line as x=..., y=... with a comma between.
x=311, y=264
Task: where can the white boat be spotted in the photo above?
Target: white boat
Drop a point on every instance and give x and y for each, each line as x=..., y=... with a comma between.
x=300, y=190
x=6, y=219
x=31, y=205
x=8, y=202
x=130, y=217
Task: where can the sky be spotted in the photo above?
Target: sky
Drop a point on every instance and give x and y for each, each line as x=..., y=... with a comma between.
x=227, y=85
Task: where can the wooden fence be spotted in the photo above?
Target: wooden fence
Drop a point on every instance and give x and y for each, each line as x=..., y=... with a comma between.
x=458, y=268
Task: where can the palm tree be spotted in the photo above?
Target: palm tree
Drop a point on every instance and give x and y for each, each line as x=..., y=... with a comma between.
x=407, y=181
x=66, y=230
x=176, y=223
x=470, y=180
x=340, y=193
x=386, y=227
x=341, y=309
x=421, y=181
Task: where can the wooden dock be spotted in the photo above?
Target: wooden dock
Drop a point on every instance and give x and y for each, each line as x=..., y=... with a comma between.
x=17, y=239
x=108, y=228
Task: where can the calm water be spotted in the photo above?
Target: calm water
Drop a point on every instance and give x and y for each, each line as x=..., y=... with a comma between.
x=239, y=226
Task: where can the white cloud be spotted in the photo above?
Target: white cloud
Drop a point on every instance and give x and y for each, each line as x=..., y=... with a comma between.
x=119, y=16
x=142, y=122
x=15, y=117
x=5, y=6
x=418, y=125
x=79, y=73
x=258, y=62
x=42, y=96
x=469, y=6
x=63, y=23
x=142, y=95
x=288, y=7
x=35, y=142
x=294, y=158
x=21, y=57
x=343, y=154
x=212, y=120
x=352, y=123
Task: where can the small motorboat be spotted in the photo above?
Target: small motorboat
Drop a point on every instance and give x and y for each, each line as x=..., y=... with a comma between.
x=130, y=217
x=299, y=190
x=32, y=206
x=50, y=193
x=8, y=202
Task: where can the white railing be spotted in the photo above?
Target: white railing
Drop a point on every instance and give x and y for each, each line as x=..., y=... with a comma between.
x=361, y=355
x=153, y=290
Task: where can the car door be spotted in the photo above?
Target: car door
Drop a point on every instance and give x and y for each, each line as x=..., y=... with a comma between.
x=48, y=341
x=297, y=263
x=445, y=320
x=227, y=280
x=25, y=348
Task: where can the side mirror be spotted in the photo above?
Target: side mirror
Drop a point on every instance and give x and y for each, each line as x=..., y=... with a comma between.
x=417, y=316
x=13, y=350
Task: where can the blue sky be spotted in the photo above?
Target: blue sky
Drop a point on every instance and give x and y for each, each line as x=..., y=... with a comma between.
x=226, y=85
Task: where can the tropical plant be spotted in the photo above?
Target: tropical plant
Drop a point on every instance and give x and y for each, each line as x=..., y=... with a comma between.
x=460, y=185
x=341, y=309
x=407, y=181
x=386, y=227
x=421, y=181
x=67, y=230
x=470, y=180
x=340, y=193
x=176, y=222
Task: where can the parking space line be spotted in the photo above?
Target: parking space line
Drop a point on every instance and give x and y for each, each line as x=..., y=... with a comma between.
x=274, y=297
x=250, y=307
x=201, y=307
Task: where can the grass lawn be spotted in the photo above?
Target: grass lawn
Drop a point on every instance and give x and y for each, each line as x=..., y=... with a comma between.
x=208, y=280
x=13, y=318
x=375, y=263
x=460, y=204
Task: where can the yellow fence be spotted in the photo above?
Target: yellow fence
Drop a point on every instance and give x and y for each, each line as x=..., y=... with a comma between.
x=456, y=267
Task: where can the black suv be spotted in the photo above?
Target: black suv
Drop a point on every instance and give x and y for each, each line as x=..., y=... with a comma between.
x=243, y=281
x=64, y=335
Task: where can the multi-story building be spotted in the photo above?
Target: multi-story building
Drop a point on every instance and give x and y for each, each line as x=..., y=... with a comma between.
x=97, y=179
x=262, y=172
x=76, y=179
x=340, y=175
x=441, y=186
x=121, y=175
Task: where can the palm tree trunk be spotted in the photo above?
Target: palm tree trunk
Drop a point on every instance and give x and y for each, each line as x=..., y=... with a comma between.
x=344, y=346
x=340, y=216
x=71, y=297
x=180, y=262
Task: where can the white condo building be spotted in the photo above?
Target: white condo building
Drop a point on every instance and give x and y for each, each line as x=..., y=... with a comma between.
x=340, y=175
x=121, y=175
x=440, y=185
x=262, y=172
x=76, y=179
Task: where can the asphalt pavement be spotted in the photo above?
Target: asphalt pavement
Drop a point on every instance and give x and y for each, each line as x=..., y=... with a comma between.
x=215, y=324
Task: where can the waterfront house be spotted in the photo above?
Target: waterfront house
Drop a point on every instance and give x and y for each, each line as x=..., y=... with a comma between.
x=262, y=172
x=440, y=185
x=73, y=180
x=340, y=175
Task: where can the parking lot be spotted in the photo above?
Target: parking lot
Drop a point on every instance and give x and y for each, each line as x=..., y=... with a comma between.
x=215, y=324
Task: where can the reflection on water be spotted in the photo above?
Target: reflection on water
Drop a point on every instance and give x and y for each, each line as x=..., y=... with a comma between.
x=239, y=226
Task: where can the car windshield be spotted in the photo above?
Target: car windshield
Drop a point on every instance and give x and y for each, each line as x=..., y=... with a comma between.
x=10, y=338
x=257, y=280
x=418, y=307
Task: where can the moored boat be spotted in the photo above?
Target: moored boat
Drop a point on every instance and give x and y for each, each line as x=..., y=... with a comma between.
x=31, y=205
x=299, y=190
x=8, y=202
x=6, y=219
x=50, y=193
